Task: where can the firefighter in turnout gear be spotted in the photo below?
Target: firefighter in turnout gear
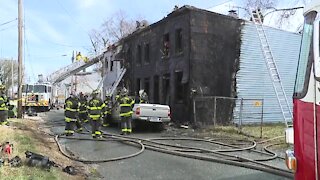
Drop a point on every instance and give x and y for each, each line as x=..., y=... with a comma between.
x=107, y=111
x=126, y=104
x=3, y=106
x=71, y=114
x=83, y=114
x=95, y=110
x=143, y=97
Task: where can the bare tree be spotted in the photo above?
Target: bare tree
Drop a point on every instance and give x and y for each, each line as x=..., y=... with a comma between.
x=112, y=30
x=283, y=16
x=263, y=5
x=7, y=67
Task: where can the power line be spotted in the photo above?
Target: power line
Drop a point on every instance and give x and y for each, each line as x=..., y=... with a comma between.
x=2, y=24
x=9, y=27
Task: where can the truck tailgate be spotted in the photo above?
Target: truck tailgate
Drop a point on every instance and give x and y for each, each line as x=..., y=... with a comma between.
x=153, y=110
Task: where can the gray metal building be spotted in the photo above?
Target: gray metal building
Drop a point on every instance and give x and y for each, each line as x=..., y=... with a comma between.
x=253, y=80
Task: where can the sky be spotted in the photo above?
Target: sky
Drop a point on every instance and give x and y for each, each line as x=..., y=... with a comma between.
x=54, y=29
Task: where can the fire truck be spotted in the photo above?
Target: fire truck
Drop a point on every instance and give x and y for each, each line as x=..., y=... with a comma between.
x=303, y=160
x=37, y=97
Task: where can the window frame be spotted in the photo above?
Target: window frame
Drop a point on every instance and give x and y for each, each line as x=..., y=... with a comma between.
x=301, y=94
x=178, y=41
x=139, y=55
x=147, y=53
x=166, y=37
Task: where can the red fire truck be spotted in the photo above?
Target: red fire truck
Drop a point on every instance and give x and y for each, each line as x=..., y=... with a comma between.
x=304, y=160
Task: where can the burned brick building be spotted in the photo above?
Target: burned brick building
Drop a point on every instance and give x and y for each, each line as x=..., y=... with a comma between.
x=190, y=52
x=194, y=53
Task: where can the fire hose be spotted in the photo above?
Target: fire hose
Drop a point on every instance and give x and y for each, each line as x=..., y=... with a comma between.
x=186, y=151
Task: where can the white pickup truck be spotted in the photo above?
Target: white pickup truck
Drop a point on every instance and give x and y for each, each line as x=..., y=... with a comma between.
x=153, y=113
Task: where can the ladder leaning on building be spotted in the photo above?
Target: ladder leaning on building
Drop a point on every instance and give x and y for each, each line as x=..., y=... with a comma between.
x=272, y=68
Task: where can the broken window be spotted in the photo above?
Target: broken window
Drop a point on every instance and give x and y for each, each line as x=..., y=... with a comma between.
x=127, y=58
x=178, y=42
x=180, y=88
x=166, y=45
x=156, y=89
x=147, y=85
x=147, y=53
x=139, y=55
x=166, y=89
x=138, y=84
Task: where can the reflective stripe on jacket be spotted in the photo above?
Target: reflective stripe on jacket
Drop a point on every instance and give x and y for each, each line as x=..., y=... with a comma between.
x=83, y=105
x=71, y=108
x=95, y=108
x=3, y=103
x=107, y=109
x=126, y=106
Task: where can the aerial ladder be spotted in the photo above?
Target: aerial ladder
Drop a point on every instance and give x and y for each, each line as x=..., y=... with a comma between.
x=272, y=68
x=72, y=69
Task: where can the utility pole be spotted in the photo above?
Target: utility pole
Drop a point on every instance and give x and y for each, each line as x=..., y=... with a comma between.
x=20, y=55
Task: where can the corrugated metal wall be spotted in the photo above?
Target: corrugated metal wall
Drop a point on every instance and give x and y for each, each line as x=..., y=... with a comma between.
x=253, y=79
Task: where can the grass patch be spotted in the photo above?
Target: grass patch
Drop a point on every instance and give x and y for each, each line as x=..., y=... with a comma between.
x=268, y=130
x=25, y=143
x=247, y=131
x=27, y=173
x=24, y=139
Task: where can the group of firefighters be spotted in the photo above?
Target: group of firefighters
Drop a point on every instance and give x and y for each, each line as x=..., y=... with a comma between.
x=79, y=110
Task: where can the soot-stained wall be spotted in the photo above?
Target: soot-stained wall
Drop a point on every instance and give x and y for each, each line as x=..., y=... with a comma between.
x=156, y=71
x=202, y=54
x=215, y=51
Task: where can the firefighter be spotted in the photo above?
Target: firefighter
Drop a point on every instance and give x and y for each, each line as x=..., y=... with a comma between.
x=107, y=111
x=83, y=114
x=126, y=104
x=3, y=106
x=95, y=110
x=71, y=114
x=143, y=97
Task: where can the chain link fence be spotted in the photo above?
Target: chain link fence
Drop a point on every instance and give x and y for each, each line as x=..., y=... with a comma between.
x=226, y=111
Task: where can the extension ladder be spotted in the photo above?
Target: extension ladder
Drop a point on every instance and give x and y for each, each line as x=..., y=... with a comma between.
x=272, y=68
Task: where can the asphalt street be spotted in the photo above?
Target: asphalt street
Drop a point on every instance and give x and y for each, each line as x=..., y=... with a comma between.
x=149, y=164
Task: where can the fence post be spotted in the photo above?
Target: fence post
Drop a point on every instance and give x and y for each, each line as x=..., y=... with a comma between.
x=240, y=115
x=215, y=111
x=261, y=118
